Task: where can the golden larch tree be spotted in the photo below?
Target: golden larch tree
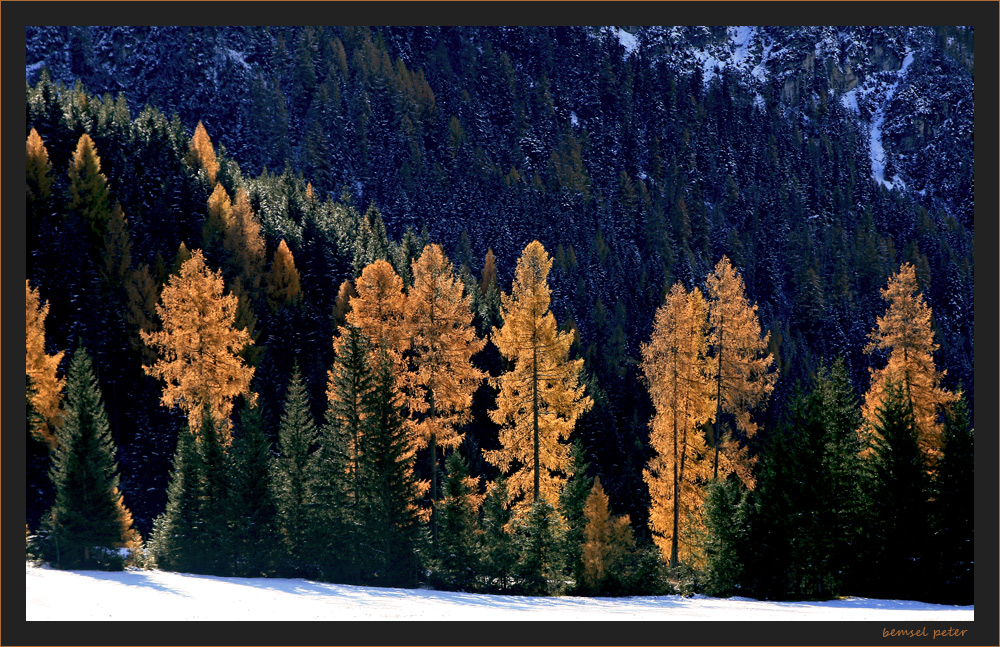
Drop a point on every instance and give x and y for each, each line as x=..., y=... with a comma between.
x=198, y=347
x=217, y=220
x=740, y=367
x=540, y=397
x=282, y=281
x=379, y=311
x=244, y=245
x=596, y=536
x=41, y=368
x=905, y=331
x=342, y=305
x=606, y=539
x=88, y=189
x=440, y=389
x=38, y=168
x=201, y=153
x=676, y=368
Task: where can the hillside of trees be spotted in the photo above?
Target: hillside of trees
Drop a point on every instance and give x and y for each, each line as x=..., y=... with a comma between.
x=412, y=293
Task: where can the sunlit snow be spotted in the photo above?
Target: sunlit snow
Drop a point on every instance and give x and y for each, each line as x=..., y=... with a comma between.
x=627, y=40
x=156, y=595
x=875, y=132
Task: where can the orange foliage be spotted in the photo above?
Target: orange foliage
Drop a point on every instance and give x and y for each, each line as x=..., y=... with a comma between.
x=198, y=346
x=41, y=368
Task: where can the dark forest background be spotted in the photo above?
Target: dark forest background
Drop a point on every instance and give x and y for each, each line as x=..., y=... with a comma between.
x=631, y=169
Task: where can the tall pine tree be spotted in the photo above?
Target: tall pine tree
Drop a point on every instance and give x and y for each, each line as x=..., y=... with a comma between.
x=294, y=477
x=251, y=508
x=540, y=396
x=905, y=331
x=89, y=519
x=199, y=345
x=676, y=368
x=444, y=342
x=739, y=365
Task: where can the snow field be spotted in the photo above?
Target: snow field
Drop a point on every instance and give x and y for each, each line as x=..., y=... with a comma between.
x=158, y=595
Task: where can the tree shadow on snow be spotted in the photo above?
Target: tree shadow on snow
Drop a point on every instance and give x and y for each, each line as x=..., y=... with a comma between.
x=131, y=578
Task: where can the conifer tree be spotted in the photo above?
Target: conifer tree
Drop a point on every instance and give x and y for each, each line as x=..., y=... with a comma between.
x=342, y=305
x=38, y=485
x=954, y=513
x=89, y=519
x=40, y=369
x=295, y=473
x=739, y=366
x=251, y=508
x=143, y=292
x=371, y=243
x=675, y=365
x=444, y=342
x=349, y=390
x=489, y=299
x=201, y=154
x=389, y=488
x=596, y=538
x=571, y=505
x=541, y=562
x=900, y=499
x=379, y=311
x=608, y=546
x=905, y=332
x=217, y=222
x=38, y=167
x=541, y=396
x=77, y=264
x=499, y=549
x=90, y=202
x=198, y=345
x=38, y=192
x=725, y=537
x=244, y=246
x=216, y=557
x=459, y=544
x=806, y=520
x=282, y=281
x=340, y=488
x=183, y=256
x=177, y=542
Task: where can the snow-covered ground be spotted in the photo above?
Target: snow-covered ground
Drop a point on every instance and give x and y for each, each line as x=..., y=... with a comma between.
x=156, y=595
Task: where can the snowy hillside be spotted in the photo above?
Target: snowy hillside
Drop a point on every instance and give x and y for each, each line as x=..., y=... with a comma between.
x=156, y=595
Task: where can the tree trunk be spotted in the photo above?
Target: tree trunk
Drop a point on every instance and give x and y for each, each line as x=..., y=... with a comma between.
x=718, y=407
x=534, y=411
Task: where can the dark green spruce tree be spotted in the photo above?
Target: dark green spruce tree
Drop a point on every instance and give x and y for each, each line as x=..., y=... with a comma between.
x=339, y=487
x=251, y=509
x=173, y=544
x=294, y=479
x=541, y=557
x=805, y=514
x=572, y=500
x=87, y=516
x=216, y=538
x=726, y=529
x=38, y=487
x=954, y=512
x=192, y=535
x=458, y=558
x=499, y=550
x=900, y=530
x=390, y=551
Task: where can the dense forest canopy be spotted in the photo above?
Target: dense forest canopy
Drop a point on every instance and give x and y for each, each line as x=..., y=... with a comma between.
x=291, y=162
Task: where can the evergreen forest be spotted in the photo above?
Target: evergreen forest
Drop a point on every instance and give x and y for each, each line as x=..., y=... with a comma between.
x=526, y=310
